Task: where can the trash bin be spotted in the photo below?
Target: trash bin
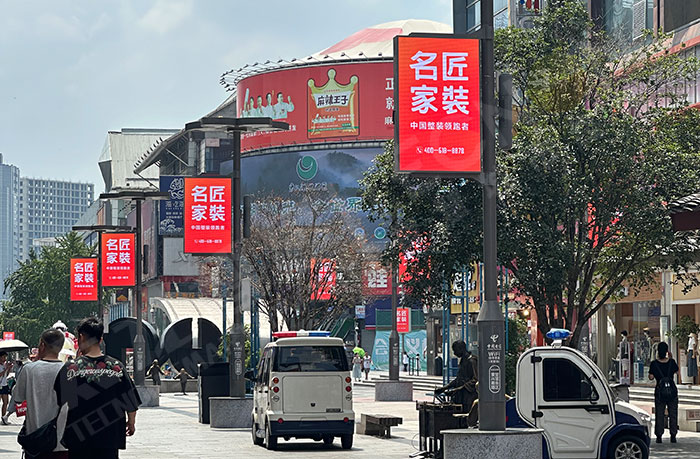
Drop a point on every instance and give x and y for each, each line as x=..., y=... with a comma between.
x=213, y=382
x=438, y=366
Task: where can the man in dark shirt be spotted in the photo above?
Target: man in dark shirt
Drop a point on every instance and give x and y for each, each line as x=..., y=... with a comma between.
x=464, y=385
x=102, y=400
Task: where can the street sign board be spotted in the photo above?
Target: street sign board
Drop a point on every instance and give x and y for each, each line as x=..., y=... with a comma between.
x=118, y=263
x=171, y=210
x=208, y=215
x=360, y=311
x=8, y=335
x=403, y=320
x=437, y=98
x=83, y=279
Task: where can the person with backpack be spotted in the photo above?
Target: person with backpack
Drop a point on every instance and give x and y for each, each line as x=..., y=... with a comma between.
x=666, y=393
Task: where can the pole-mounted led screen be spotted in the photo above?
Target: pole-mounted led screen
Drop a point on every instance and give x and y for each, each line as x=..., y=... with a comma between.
x=83, y=279
x=118, y=262
x=208, y=215
x=437, y=99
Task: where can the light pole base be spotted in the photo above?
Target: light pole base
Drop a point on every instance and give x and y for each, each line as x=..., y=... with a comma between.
x=478, y=444
x=393, y=391
x=230, y=412
x=149, y=395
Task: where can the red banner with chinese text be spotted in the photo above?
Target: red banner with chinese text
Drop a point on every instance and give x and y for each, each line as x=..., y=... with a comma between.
x=438, y=125
x=83, y=279
x=324, y=279
x=208, y=219
x=118, y=263
x=403, y=320
x=376, y=279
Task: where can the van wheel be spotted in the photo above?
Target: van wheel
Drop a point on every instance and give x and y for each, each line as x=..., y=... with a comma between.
x=328, y=440
x=346, y=441
x=270, y=440
x=257, y=441
x=628, y=447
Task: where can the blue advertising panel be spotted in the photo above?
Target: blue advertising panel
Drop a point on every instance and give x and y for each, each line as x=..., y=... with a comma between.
x=171, y=222
x=414, y=343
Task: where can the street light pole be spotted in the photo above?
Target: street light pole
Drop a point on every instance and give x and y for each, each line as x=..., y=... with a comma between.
x=490, y=325
x=237, y=338
x=139, y=342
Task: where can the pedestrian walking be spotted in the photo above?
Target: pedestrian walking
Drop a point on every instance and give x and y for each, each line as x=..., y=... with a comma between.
x=102, y=400
x=182, y=376
x=357, y=367
x=35, y=385
x=417, y=364
x=5, y=368
x=366, y=365
x=11, y=382
x=405, y=361
x=154, y=372
x=666, y=393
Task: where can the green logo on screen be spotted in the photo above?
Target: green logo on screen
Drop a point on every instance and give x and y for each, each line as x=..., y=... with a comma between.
x=307, y=168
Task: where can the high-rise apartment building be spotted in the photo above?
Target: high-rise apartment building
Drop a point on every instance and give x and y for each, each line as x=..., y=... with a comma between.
x=49, y=208
x=9, y=218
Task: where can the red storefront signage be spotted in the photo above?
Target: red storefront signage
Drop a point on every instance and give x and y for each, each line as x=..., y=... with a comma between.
x=118, y=262
x=376, y=279
x=8, y=335
x=83, y=279
x=403, y=320
x=437, y=94
x=208, y=215
x=325, y=278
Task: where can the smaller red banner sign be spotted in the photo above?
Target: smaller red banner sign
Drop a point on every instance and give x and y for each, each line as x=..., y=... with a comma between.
x=324, y=279
x=83, y=279
x=118, y=260
x=403, y=320
x=8, y=335
x=376, y=279
x=208, y=215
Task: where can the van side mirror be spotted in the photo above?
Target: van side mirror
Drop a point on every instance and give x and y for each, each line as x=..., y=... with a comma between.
x=249, y=375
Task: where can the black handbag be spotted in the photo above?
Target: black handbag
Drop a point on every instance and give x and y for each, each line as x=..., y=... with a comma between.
x=42, y=440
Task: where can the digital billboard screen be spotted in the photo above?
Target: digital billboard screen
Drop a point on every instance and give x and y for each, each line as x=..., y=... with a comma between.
x=321, y=103
x=83, y=283
x=118, y=259
x=207, y=215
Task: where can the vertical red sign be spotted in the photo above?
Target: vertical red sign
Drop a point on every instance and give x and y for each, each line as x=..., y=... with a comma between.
x=118, y=260
x=83, y=279
x=437, y=98
x=403, y=320
x=325, y=278
x=8, y=335
x=208, y=215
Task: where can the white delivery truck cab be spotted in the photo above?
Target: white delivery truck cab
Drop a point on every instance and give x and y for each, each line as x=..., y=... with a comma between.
x=303, y=390
x=563, y=392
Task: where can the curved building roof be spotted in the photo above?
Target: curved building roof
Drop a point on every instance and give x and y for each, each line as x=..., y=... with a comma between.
x=375, y=42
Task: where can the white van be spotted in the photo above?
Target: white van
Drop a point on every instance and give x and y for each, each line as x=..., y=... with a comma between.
x=303, y=390
x=563, y=392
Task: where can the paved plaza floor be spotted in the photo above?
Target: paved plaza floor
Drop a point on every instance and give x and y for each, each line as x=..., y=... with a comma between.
x=173, y=431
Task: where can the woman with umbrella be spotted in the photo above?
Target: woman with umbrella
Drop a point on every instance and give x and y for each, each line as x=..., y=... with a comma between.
x=5, y=368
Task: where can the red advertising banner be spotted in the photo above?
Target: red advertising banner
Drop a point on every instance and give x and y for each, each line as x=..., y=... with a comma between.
x=324, y=280
x=403, y=320
x=8, y=335
x=83, y=279
x=376, y=279
x=208, y=215
x=437, y=94
x=321, y=103
x=118, y=263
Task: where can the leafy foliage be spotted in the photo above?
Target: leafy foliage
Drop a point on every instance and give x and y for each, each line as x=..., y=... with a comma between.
x=39, y=291
x=517, y=343
x=683, y=329
x=602, y=144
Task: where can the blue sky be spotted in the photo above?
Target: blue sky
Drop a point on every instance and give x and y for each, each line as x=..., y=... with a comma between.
x=71, y=70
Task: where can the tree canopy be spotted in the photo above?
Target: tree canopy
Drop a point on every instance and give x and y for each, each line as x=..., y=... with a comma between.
x=306, y=260
x=39, y=291
x=602, y=143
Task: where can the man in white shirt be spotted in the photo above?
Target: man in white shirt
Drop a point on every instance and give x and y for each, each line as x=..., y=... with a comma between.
x=282, y=107
x=36, y=385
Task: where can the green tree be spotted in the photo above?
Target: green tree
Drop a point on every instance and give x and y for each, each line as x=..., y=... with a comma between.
x=601, y=145
x=517, y=343
x=39, y=291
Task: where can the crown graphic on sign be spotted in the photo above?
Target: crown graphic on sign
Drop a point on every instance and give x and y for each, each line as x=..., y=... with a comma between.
x=333, y=109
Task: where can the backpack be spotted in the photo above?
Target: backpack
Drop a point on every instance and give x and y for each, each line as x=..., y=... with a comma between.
x=667, y=390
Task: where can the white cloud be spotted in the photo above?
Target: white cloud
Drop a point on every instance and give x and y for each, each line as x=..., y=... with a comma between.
x=62, y=27
x=166, y=15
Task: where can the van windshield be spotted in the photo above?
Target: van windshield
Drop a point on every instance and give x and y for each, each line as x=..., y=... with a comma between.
x=310, y=358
